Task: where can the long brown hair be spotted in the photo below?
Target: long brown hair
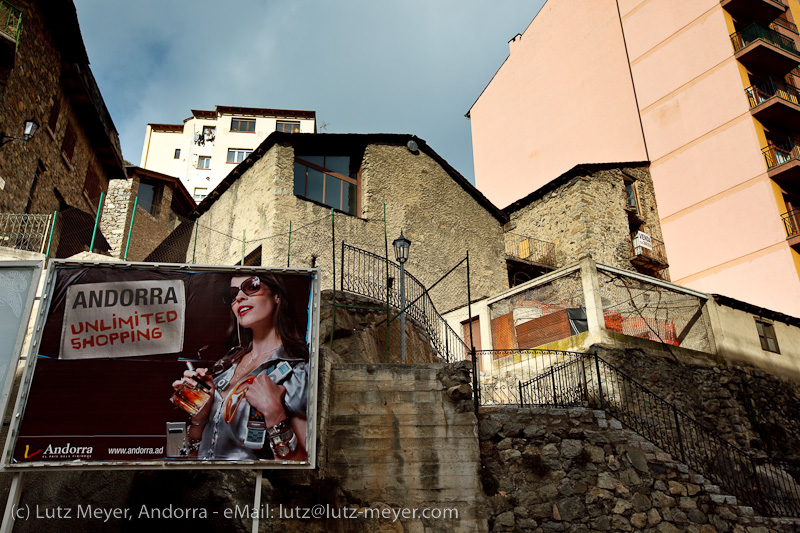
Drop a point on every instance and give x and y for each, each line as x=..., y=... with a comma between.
x=285, y=324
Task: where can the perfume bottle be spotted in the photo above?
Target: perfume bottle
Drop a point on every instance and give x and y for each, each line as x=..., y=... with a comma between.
x=192, y=398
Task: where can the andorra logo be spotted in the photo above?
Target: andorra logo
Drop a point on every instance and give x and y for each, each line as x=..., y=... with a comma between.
x=31, y=450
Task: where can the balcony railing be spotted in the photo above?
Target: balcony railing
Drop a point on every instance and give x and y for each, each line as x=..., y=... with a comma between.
x=24, y=232
x=761, y=92
x=530, y=249
x=791, y=221
x=755, y=32
x=776, y=156
x=783, y=23
x=655, y=257
x=10, y=21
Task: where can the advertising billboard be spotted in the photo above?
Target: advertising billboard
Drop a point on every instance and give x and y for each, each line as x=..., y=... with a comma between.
x=170, y=365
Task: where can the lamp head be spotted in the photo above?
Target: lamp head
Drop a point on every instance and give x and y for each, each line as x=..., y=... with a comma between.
x=401, y=247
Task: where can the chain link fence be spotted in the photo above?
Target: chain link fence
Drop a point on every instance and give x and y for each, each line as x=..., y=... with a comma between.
x=653, y=311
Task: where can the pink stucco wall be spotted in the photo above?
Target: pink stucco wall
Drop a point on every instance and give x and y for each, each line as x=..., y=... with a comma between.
x=562, y=97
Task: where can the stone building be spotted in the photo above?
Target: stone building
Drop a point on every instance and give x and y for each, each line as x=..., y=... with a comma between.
x=161, y=204
x=45, y=76
x=301, y=178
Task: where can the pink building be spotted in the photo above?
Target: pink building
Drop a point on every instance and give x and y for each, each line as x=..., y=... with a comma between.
x=704, y=89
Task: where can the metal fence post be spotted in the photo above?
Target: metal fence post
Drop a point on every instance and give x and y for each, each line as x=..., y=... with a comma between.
x=96, y=222
x=333, y=265
x=475, y=390
x=678, y=430
x=289, y=251
x=130, y=228
x=50, y=239
x=599, y=381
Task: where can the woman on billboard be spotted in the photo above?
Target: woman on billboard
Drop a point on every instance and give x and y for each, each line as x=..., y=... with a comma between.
x=259, y=389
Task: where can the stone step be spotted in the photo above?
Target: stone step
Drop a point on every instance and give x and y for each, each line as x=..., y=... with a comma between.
x=337, y=420
x=400, y=408
x=415, y=455
x=386, y=396
x=390, y=444
x=402, y=432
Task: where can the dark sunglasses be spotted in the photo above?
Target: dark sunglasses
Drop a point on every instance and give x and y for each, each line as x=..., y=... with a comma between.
x=249, y=287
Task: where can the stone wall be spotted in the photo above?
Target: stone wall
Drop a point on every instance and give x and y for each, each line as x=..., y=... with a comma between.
x=116, y=214
x=440, y=218
x=586, y=215
x=755, y=410
x=32, y=170
x=576, y=470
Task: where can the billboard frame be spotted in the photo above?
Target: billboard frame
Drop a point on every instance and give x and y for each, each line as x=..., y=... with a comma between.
x=164, y=464
x=22, y=332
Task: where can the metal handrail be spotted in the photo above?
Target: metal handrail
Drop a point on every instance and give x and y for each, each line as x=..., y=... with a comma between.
x=755, y=32
x=11, y=21
x=24, y=231
x=759, y=93
x=364, y=273
x=783, y=23
x=775, y=156
x=658, y=252
x=791, y=222
x=769, y=486
x=530, y=249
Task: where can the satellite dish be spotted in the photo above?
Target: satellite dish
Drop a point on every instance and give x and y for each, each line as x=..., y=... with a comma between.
x=412, y=146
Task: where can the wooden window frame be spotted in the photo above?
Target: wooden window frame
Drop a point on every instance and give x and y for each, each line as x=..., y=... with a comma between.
x=766, y=333
x=325, y=172
x=239, y=121
x=69, y=142
x=280, y=125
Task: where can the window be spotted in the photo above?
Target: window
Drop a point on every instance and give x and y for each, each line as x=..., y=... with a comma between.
x=288, y=126
x=68, y=146
x=204, y=161
x=208, y=131
x=93, y=186
x=52, y=122
x=327, y=180
x=149, y=197
x=766, y=333
x=246, y=125
x=237, y=155
x=177, y=153
x=632, y=197
x=200, y=193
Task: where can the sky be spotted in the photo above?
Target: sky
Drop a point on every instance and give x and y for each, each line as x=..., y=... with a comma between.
x=365, y=66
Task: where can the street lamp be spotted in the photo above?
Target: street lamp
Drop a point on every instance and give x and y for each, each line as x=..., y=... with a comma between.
x=401, y=247
x=29, y=128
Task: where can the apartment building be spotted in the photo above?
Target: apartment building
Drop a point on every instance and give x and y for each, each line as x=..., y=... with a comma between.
x=209, y=144
x=703, y=89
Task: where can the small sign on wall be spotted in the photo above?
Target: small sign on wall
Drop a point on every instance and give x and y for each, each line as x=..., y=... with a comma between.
x=643, y=240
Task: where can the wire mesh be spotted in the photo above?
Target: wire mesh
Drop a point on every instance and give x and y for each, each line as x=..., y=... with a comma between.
x=540, y=315
x=649, y=311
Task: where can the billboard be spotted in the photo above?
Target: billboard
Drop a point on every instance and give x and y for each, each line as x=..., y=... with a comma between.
x=170, y=365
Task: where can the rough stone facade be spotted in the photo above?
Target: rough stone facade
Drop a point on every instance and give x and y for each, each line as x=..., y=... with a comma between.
x=751, y=408
x=583, y=212
x=422, y=198
x=50, y=70
x=577, y=470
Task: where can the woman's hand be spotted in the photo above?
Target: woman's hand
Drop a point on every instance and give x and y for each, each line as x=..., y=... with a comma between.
x=190, y=378
x=267, y=398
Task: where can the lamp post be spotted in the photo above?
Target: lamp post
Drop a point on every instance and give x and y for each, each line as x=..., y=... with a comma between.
x=29, y=128
x=401, y=247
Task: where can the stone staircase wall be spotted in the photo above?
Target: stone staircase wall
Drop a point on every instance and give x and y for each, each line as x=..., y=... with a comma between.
x=396, y=437
x=576, y=470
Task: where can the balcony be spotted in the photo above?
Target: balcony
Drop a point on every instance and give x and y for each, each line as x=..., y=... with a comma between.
x=782, y=25
x=10, y=24
x=530, y=250
x=648, y=255
x=791, y=222
x=760, y=10
x=783, y=165
x=761, y=49
x=775, y=102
